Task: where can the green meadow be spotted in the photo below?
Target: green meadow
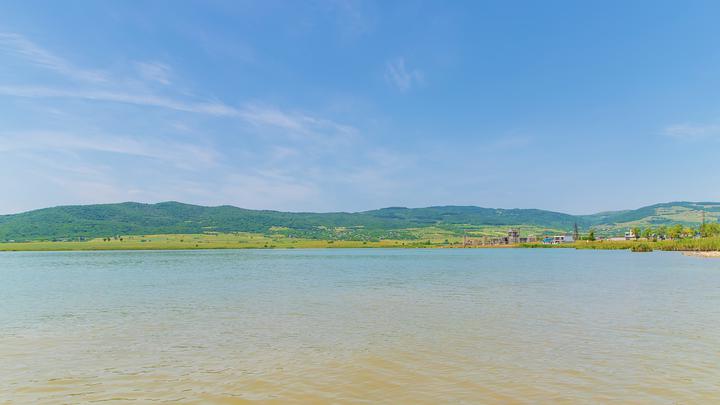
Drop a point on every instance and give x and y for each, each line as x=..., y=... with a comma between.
x=221, y=241
x=425, y=238
x=280, y=238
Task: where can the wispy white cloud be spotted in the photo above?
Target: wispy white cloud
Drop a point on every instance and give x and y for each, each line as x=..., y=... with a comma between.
x=151, y=100
x=296, y=123
x=693, y=131
x=292, y=123
x=19, y=45
x=180, y=154
x=397, y=74
x=154, y=71
x=99, y=87
x=285, y=167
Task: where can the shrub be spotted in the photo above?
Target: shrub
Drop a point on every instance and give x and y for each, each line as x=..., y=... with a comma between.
x=641, y=247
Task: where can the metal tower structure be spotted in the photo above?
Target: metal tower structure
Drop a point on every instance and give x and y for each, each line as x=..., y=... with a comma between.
x=576, y=233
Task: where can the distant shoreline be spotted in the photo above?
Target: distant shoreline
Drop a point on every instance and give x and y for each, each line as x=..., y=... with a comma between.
x=707, y=247
x=435, y=224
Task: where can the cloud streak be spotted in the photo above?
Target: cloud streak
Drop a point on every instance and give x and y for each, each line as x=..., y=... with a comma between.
x=283, y=166
x=693, y=132
x=397, y=74
x=253, y=114
x=99, y=87
x=150, y=100
x=154, y=71
x=179, y=154
x=19, y=45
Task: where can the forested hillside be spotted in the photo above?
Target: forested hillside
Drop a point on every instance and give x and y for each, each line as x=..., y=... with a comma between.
x=88, y=221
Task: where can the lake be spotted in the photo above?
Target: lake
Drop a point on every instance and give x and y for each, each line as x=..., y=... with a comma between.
x=364, y=325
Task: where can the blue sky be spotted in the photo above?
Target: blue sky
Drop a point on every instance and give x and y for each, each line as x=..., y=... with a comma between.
x=345, y=106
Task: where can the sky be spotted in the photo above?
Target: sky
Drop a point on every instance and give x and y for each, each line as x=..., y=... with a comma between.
x=571, y=106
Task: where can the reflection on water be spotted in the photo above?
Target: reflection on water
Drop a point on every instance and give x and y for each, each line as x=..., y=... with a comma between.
x=329, y=326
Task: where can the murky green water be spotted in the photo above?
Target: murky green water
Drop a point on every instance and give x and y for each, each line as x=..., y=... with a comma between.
x=343, y=326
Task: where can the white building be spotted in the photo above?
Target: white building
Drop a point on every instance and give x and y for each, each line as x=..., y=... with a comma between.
x=558, y=239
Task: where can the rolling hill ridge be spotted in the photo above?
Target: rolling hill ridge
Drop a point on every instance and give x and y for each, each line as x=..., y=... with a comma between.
x=101, y=220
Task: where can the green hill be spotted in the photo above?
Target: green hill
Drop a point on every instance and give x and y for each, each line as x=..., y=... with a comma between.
x=682, y=212
x=89, y=221
x=173, y=217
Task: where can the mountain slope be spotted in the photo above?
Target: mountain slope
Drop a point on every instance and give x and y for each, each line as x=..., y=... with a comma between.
x=131, y=218
x=173, y=217
x=682, y=212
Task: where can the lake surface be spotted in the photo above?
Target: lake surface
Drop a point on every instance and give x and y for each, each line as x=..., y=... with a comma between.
x=347, y=326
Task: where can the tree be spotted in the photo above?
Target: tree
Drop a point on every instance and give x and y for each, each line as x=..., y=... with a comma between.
x=636, y=232
x=648, y=233
x=709, y=230
x=675, y=231
x=661, y=231
x=591, y=235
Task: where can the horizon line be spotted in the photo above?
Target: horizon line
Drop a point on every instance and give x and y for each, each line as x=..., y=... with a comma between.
x=360, y=212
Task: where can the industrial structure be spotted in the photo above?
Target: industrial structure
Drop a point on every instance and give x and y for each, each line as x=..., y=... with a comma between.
x=512, y=238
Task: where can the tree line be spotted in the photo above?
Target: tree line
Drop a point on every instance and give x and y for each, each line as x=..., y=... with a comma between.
x=677, y=231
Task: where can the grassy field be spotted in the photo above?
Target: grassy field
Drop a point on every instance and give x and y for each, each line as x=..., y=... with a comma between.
x=223, y=241
x=423, y=238
x=278, y=238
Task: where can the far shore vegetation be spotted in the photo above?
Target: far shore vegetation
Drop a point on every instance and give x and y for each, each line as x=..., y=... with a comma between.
x=704, y=238
x=680, y=245
x=685, y=226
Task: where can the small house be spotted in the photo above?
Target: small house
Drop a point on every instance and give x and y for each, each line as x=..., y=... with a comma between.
x=558, y=239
